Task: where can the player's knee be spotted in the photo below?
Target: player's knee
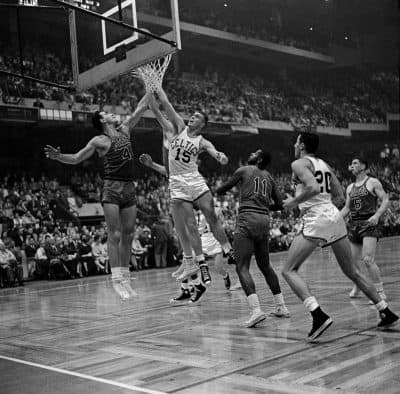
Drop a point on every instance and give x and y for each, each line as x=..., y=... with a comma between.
x=114, y=236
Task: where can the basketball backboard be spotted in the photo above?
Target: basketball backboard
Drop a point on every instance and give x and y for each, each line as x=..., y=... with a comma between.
x=80, y=33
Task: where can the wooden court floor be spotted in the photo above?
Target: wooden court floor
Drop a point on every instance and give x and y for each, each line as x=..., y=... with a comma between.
x=77, y=337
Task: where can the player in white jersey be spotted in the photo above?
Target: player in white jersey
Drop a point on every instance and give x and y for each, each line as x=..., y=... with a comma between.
x=187, y=186
x=316, y=187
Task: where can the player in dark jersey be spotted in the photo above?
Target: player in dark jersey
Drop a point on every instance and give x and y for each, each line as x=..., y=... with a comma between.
x=257, y=191
x=118, y=199
x=361, y=203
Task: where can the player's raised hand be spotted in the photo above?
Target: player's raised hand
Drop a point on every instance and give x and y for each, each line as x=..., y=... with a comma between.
x=222, y=158
x=51, y=152
x=146, y=159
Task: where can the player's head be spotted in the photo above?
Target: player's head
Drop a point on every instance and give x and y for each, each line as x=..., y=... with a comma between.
x=358, y=165
x=198, y=121
x=102, y=119
x=260, y=158
x=306, y=143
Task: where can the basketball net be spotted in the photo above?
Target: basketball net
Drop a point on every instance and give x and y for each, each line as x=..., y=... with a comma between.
x=152, y=73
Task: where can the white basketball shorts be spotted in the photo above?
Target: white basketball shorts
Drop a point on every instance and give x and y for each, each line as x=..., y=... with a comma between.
x=187, y=187
x=323, y=223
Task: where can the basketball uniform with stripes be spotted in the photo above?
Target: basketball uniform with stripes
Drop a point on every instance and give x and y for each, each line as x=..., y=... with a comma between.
x=321, y=220
x=363, y=205
x=119, y=188
x=185, y=181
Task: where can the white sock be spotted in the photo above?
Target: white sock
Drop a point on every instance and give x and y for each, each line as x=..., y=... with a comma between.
x=381, y=305
x=185, y=285
x=200, y=258
x=311, y=303
x=278, y=298
x=253, y=301
x=379, y=287
x=125, y=272
x=116, y=273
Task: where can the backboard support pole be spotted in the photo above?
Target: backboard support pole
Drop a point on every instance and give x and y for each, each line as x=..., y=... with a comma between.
x=74, y=47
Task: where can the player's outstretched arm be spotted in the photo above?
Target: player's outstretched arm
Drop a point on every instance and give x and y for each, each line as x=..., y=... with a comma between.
x=71, y=158
x=208, y=146
x=231, y=182
x=147, y=160
x=168, y=128
x=173, y=116
x=338, y=198
x=346, y=209
x=306, y=177
x=139, y=111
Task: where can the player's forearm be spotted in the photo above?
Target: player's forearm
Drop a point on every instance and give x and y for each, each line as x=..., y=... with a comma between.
x=67, y=158
x=228, y=185
x=383, y=207
x=345, y=211
x=159, y=168
x=139, y=111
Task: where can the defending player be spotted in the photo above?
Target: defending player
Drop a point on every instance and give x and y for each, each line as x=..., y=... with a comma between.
x=257, y=190
x=118, y=197
x=316, y=186
x=361, y=202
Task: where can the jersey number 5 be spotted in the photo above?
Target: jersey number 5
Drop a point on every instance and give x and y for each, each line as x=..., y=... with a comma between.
x=324, y=179
x=185, y=156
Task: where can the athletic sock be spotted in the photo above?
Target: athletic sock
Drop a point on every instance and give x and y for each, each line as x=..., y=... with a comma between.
x=200, y=258
x=381, y=305
x=278, y=298
x=116, y=273
x=311, y=303
x=254, y=303
x=185, y=284
x=379, y=287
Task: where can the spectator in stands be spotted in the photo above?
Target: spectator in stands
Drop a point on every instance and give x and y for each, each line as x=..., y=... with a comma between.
x=160, y=238
x=139, y=254
x=100, y=255
x=6, y=271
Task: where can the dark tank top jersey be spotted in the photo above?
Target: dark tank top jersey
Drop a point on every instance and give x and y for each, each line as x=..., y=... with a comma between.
x=256, y=190
x=362, y=202
x=118, y=161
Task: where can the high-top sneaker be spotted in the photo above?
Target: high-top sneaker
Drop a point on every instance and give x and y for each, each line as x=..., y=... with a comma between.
x=198, y=291
x=388, y=319
x=205, y=274
x=181, y=298
x=321, y=321
x=227, y=281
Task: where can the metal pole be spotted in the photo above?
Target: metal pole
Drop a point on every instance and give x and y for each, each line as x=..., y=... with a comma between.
x=115, y=22
x=21, y=62
x=37, y=7
x=74, y=47
x=42, y=81
x=120, y=10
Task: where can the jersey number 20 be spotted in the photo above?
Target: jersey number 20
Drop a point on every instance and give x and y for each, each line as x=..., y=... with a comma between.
x=324, y=180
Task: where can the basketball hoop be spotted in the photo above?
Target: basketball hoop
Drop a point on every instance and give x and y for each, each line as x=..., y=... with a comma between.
x=152, y=74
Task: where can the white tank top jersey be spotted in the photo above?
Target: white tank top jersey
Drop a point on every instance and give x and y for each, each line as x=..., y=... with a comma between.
x=323, y=175
x=183, y=153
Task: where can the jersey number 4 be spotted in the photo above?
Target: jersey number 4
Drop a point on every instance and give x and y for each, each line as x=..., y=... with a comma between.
x=324, y=180
x=263, y=186
x=185, y=158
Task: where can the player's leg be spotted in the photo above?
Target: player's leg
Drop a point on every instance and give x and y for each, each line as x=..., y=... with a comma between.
x=368, y=258
x=243, y=249
x=261, y=252
x=182, y=230
x=299, y=250
x=343, y=255
x=128, y=221
x=111, y=214
x=356, y=250
x=220, y=267
x=206, y=204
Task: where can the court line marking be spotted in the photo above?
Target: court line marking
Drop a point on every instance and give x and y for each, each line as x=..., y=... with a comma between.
x=83, y=376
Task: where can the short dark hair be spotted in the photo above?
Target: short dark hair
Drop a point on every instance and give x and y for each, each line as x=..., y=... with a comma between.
x=265, y=159
x=205, y=117
x=362, y=160
x=310, y=141
x=96, y=121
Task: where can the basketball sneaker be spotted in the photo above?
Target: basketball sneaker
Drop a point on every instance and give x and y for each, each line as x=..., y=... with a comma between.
x=321, y=321
x=388, y=319
x=126, y=283
x=227, y=281
x=230, y=256
x=256, y=317
x=180, y=269
x=205, y=274
x=236, y=286
x=280, y=311
x=120, y=289
x=180, y=299
x=355, y=292
x=198, y=291
x=189, y=269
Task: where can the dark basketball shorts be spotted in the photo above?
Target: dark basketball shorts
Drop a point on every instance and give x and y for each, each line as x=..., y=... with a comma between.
x=359, y=229
x=121, y=193
x=252, y=225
